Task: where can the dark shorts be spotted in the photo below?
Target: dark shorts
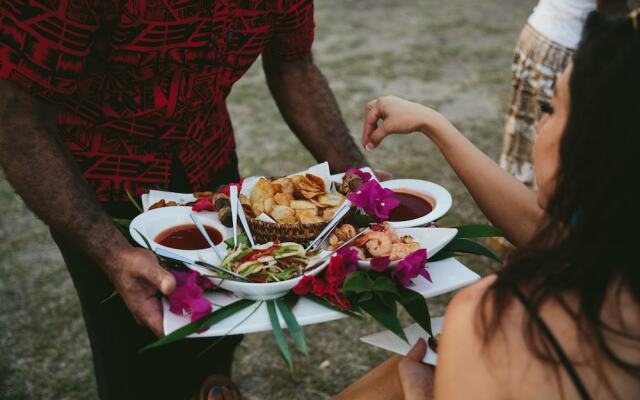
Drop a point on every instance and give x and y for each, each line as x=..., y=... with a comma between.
x=171, y=372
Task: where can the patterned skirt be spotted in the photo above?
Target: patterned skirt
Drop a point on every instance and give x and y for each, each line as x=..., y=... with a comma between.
x=536, y=64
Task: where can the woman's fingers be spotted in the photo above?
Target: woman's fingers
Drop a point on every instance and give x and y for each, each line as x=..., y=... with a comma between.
x=372, y=113
x=418, y=351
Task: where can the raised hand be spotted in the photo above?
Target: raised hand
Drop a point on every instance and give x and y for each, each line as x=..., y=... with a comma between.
x=389, y=114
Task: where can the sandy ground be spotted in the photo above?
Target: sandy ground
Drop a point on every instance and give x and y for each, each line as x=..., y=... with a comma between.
x=453, y=56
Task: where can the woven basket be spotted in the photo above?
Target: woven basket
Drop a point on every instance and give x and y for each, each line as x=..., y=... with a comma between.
x=268, y=232
x=299, y=233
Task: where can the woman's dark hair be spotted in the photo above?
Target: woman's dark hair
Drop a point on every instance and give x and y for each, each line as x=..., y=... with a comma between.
x=587, y=248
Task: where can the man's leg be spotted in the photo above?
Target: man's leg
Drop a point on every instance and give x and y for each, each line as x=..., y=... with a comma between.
x=170, y=372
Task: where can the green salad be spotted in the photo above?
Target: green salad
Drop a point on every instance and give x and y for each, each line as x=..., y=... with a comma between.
x=269, y=262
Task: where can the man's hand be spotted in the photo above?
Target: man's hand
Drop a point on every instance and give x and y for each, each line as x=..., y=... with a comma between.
x=137, y=277
x=416, y=378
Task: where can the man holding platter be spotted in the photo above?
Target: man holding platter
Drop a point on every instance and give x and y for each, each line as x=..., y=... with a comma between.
x=98, y=98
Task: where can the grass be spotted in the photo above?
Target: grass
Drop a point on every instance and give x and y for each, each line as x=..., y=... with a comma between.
x=453, y=56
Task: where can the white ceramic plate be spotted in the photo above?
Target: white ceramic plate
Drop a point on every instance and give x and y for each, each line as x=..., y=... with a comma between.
x=432, y=239
x=390, y=341
x=153, y=222
x=440, y=195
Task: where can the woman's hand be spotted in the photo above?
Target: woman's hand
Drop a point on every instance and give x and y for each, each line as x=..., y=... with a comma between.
x=397, y=115
x=416, y=378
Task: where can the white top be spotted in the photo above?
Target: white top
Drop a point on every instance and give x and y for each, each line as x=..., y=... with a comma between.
x=561, y=20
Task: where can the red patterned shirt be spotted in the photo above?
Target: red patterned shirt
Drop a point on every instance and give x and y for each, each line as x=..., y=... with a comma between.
x=143, y=81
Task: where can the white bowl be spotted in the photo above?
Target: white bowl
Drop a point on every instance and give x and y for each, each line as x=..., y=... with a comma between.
x=261, y=291
x=151, y=223
x=432, y=239
x=440, y=196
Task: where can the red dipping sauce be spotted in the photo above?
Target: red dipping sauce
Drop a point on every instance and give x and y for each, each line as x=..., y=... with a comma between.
x=412, y=206
x=187, y=237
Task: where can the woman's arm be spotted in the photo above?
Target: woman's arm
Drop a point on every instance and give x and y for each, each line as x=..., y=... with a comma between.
x=506, y=202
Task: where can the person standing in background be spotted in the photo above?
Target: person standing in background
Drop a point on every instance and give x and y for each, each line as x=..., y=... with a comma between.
x=546, y=45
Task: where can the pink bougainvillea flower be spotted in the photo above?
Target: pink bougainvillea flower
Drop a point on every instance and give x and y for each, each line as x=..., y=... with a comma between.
x=305, y=286
x=203, y=205
x=365, y=176
x=379, y=264
x=375, y=200
x=410, y=267
x=226, y=189
x=187, y=297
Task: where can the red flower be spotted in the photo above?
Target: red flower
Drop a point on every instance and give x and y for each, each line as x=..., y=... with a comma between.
x=305, y=285
x=365, y=176
x=227, y=191
x=319, y=288
x=203, y=205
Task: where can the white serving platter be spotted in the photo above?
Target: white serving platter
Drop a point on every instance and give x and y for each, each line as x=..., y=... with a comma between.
x=390, y=341
x=447, y=275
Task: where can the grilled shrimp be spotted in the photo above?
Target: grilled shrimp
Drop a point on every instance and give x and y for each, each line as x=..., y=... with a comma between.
x=401, y=250
x=378, y=243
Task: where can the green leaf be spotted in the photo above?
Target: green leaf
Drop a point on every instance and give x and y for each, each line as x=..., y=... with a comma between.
x=365, y=297
x=277, y=332
x=356, y=283
x=144, y=239
x=122, y=222
x=467, y=246
x=111, y=296
x=202, y=323
x=325, y=303
x=384, y=284
x=133, y=201
x=220, y=338
x=442, y=254
x=242, y=239
x=294, y=328
x=387, y=298
x=476, y=231
x=386, y=316
x=416, y=306
x=361, y=220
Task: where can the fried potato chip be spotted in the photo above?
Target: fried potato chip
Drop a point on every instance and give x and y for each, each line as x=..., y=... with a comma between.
x=284, y=214
x=244, y=200
x=317, y=181
x=285, y=185
x=309, y=194
x=328, y=213
x=331, y=199
x=283, y=199
x=262, y=190
x=257, y=207
x=302, y=205
x=268, y=205
x=308, y=216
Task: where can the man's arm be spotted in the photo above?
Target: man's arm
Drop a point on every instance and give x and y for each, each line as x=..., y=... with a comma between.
x=308, y=106
x=45, y=175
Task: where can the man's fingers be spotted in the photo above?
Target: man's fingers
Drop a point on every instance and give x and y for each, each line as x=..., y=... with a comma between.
x=371, y=116
x=418, y=351
x=158, y=277
x=150, y=311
